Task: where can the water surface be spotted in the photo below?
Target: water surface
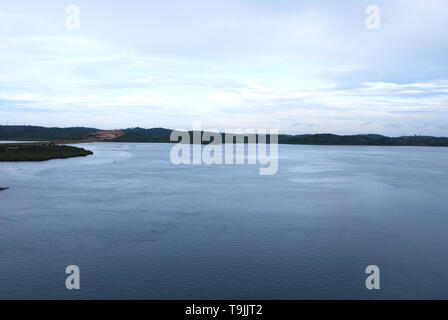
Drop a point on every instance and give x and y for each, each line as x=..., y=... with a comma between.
x=140, y=227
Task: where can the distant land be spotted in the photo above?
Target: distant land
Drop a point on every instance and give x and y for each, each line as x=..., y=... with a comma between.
x=162, y=135
x=39, y=151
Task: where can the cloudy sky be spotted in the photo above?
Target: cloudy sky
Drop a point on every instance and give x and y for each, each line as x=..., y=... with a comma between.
x=298, y=66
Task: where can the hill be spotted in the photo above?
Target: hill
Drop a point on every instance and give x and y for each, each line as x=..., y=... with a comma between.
x=82, y=134
x=35, y=133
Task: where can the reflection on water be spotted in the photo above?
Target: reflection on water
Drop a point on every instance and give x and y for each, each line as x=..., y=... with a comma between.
x=139, y=227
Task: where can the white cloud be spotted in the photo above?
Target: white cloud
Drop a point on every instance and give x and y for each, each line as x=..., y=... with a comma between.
x=228, y=64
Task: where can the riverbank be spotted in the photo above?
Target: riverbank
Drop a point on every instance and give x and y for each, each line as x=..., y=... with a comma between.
x=39, y=152
x=162, y=135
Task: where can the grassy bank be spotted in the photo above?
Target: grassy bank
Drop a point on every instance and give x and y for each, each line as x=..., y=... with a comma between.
x=39, y=152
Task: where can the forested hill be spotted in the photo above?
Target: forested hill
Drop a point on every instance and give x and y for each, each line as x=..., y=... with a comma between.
x=363, y=140
x=79, y=134
x=34, y=133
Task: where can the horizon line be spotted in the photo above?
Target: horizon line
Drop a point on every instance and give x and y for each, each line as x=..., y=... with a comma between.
x=192, y=130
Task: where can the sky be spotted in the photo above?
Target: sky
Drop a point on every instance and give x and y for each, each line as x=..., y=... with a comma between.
x=297, y=66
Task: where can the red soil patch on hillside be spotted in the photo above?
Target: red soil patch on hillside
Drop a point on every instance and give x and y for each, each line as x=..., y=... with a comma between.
x=103, y=135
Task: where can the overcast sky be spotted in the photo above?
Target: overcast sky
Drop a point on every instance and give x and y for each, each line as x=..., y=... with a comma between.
x=298, y=66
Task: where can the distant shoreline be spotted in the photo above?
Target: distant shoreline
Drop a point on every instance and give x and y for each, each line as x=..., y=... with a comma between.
x=162, y=135
x=38, y=151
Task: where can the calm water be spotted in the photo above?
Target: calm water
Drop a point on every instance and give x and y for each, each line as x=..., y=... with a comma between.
x=140, y=227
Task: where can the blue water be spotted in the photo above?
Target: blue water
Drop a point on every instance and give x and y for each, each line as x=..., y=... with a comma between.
x=139, y=227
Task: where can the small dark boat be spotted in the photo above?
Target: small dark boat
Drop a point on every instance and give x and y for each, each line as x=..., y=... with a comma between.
x=1, y=189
